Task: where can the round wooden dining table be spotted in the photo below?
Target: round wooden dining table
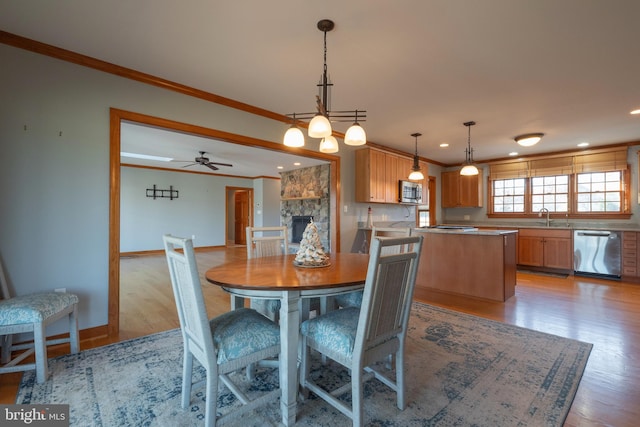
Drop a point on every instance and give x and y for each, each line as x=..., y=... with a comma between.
x=278, y=278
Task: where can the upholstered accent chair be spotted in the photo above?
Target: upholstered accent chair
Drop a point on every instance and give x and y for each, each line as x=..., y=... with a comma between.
x=32, y=313
x=354, y=299
x=362, y=339
x=224, y=344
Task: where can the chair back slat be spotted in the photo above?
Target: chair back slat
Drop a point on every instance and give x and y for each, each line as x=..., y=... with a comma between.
x=187, y=292
x=388, y=291
x=266, y=241
x=390, y=232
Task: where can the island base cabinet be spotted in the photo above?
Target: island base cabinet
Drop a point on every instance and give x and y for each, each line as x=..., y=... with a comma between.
x=479, y=266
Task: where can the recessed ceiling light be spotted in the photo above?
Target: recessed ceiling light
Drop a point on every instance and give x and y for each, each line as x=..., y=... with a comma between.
x=296, y=164
x=636, y=111
x=583, y=144
x=280, y=167
x=513, y=153
x=444, y=145
x=145, y=156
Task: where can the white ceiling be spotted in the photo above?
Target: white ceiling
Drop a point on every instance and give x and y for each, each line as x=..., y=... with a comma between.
x=183, y=148
x=568, y=68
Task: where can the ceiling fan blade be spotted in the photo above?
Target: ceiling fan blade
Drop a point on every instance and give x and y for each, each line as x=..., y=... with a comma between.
x=221, y=164
x=191, y=164
x=210, y=166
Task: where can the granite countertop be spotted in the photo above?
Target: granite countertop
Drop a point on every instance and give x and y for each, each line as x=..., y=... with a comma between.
x=467, y=231
x=560, y=225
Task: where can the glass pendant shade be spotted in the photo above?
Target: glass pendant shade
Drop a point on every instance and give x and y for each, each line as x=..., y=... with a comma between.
x=294, y=137
x=469, y=170
x=355, y=135
x=416, y=175
x=319, y=127
x=329, y=145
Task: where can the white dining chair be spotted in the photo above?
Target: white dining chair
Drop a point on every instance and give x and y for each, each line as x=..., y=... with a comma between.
x=32, y=313
x=222, y=345
x=354, y=299
x=263, y=242
x=361, y=339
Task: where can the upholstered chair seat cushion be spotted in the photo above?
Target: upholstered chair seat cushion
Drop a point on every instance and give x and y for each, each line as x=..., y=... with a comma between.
x=241, y=332
x=351, y=299
x=34, y=308
x=266, y=305
x=334, y=331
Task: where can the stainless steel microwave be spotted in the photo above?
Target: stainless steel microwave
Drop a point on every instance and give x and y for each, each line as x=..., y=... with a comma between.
x=410, y=192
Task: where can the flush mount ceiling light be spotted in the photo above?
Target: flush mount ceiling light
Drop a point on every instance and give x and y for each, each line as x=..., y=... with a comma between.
x=469, y=168
x=528, y=139
x=320, y=124
x=416, y=173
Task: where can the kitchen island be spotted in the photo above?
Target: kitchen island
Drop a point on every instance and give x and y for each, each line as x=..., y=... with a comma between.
x=469, y=262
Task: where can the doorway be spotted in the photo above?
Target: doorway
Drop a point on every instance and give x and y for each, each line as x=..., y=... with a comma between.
x=116, y=117
x=239, y=214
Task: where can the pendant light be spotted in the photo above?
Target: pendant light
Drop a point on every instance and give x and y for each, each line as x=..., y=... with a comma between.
x=416, y=173
x=320, y=124
x=469, y=168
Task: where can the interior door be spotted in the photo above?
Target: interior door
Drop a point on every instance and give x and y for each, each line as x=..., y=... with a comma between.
x=241, y=220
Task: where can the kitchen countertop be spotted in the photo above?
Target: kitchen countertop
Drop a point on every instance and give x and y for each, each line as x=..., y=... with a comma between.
x=468, y=231
x=558, y=226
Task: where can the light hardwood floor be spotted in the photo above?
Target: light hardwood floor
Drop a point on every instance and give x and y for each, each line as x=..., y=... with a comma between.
x=603, y=312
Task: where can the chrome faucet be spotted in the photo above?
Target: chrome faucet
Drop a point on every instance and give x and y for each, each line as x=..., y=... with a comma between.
x=540, y=214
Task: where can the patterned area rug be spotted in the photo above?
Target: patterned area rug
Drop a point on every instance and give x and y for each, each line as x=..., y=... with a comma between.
x=462, y=371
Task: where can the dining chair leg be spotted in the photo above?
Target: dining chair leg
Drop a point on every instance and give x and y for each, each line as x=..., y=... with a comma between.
x=187, y=378
x=74, y=333
x=40, y=347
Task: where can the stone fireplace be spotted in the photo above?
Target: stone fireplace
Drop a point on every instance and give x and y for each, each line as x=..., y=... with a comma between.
x=304, y=193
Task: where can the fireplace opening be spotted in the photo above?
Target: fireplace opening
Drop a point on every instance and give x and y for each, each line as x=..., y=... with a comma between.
x=298, y=225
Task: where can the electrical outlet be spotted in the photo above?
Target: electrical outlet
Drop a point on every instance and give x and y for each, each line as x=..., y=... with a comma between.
x=60, y=290
x=346, y=208
x=193, y=237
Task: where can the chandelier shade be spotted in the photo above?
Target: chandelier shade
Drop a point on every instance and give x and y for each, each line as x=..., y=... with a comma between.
x=319, y=127
x=355, y=135
x=469, y=168
x=294, y=137
x=329, y=145
x=320, y=124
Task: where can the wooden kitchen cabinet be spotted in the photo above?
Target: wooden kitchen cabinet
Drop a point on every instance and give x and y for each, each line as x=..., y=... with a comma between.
x=548, y=248
x=630, y=256
x=378, y=174
x=459, y=191
x=370, y=176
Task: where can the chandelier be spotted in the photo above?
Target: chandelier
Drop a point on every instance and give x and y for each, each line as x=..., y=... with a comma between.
x=320, y=124
x=469, y=168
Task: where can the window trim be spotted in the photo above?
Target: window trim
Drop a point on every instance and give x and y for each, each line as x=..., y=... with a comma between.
x=573, y=202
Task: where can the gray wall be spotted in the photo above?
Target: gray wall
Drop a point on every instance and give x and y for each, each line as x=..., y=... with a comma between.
x=54, y=176
x=197, y=211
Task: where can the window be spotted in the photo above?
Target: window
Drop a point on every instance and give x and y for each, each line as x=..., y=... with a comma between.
x=550, y=192
x=508, y=195
x=600, y=192
x=586, y=184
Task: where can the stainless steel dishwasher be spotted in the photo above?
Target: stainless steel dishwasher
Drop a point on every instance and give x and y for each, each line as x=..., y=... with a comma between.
x=597, y=252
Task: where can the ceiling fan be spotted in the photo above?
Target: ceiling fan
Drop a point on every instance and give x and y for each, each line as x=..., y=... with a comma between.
x=204, y=161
